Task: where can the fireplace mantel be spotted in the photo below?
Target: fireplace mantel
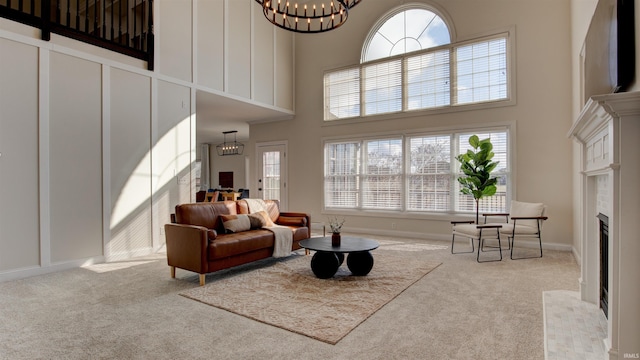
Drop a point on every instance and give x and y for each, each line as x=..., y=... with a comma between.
x=608, y=132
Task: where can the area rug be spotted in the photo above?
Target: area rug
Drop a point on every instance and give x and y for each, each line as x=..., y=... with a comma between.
x=287, y=294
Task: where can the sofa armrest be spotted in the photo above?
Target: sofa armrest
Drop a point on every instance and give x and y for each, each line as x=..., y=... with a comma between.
x=187, y=247
x=294, y=219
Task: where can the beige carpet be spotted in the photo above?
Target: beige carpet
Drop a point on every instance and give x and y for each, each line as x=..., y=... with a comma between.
x=131, y=310
x=287, y=294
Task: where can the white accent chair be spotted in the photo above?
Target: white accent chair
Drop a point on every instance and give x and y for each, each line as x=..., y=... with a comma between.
x=473, y=231
x=524, y=220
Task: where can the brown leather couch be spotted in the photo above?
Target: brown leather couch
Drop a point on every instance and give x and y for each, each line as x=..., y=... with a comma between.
x=197, y=241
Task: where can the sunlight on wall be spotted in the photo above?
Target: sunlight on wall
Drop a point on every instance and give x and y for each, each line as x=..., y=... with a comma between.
x=171, y=155
x=169, y=160
x=131, y=237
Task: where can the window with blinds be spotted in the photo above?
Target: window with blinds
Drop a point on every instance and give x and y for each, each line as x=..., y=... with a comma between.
x=382, y=83
x=342, y=94
x=382, y=174
x=377, y=174
x=429, y=173
x=450, y=75
x=481, y=71
x=427, y=80
x=342, y=173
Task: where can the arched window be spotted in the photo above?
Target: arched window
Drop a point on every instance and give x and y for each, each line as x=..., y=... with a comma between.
x=404, y=30
x=411, y=61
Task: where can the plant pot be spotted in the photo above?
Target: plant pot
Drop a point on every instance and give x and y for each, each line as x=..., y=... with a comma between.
x=335, y=239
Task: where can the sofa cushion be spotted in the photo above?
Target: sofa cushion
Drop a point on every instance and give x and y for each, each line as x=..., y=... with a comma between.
x=204, y=214
x=235, y=223
x=239, y=243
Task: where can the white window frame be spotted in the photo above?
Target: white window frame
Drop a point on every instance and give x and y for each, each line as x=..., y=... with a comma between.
x=433, y=8
x=509, y=100
x=453, y=173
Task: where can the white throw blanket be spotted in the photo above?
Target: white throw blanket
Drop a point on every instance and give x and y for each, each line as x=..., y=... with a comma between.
x=283, y=235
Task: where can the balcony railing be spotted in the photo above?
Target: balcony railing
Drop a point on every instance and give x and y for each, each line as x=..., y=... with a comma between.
x=124, y=26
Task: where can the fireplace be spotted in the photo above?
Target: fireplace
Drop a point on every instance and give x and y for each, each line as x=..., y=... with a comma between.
x=607, y=213
x=604, y=263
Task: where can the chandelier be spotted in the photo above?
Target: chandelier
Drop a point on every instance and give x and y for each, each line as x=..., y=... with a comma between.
x=307, y=18
x=230, y=148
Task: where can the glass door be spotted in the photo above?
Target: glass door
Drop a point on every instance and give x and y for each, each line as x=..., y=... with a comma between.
x=272, y=172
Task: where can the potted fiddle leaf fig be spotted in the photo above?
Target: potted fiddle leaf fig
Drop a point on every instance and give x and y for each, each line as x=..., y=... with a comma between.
x=477, y=165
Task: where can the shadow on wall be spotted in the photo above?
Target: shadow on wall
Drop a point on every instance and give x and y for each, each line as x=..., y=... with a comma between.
x=161, y=179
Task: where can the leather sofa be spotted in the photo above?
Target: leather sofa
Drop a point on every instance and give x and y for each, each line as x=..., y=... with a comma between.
x=197, y=240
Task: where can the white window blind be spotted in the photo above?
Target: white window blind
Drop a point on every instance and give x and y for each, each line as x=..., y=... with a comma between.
x=382, y=174
x=376, y=174
x=481, y=71
x=429, y=179
x=382, y=84
x=342, y=94
x=342, y=169
x=450, y=75
x=427, y=80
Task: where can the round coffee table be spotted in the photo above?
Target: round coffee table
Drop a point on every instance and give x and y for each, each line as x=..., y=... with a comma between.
x=328, y=258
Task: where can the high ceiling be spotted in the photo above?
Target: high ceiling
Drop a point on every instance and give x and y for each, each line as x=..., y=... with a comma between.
x=217, y=113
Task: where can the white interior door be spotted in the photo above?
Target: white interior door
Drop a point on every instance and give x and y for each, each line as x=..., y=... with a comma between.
x=272, y=172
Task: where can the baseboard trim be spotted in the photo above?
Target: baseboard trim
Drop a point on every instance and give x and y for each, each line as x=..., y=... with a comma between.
x=16, y=274
x=399, y=233
x=576, y=256
x=441, y=237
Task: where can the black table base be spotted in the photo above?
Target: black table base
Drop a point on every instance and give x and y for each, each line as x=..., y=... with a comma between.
x=328, y=257
x=325, y=264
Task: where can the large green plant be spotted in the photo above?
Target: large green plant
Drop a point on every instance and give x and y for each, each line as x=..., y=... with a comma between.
x=476, y=165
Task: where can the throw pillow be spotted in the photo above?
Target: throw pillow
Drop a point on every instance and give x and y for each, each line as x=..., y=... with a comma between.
x=257, y=221
x=266, y=217
x=235, y=223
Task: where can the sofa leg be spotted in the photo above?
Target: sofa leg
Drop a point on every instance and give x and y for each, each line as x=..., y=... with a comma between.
x=202, y=279
x=306, y=251
x=173, y=272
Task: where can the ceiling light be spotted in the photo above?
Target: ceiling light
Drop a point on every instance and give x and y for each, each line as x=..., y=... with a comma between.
x=307, y=18
x=230, y=148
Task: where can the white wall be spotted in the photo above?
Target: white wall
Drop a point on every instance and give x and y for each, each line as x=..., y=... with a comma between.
x=19, y=156
x=173, y=38
x=542, y=113
x=210, y=44
x=129, y=164
x=75, y=148
x=96, y=151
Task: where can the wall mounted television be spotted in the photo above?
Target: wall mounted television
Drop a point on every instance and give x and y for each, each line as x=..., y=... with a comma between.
x=609, y=49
